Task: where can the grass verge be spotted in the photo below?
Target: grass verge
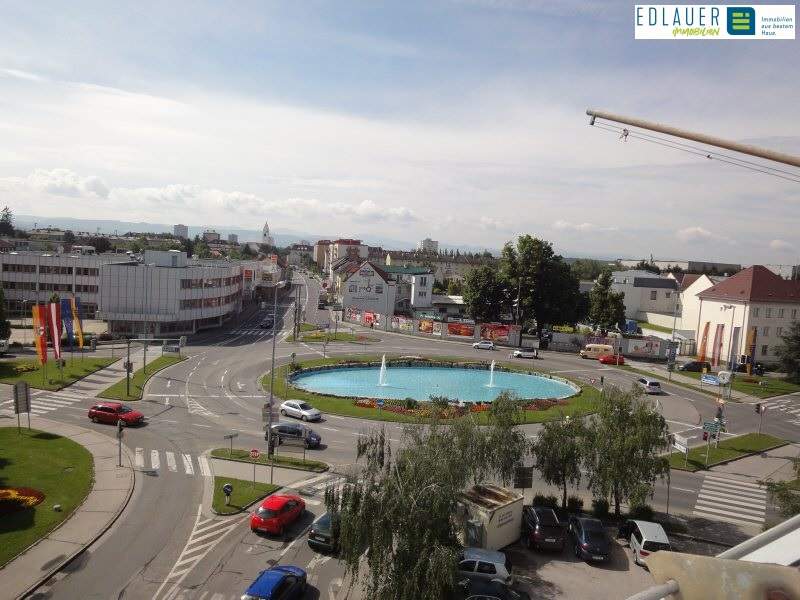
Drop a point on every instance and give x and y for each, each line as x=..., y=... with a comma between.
x=244, y=494
x=661, y=328
x=583, y=403
x=240, y=455
x=730, y=449
x=322, y=336
x=139, y=379
x=12, y=371
x=56, y=466
x=772, y=386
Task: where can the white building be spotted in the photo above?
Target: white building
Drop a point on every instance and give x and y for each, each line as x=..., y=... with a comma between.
x=369, y=288
x=344, y=248
x=180, y=231
x=428, y=246
x=266, y=238
x=746, y=315
x=645, y=293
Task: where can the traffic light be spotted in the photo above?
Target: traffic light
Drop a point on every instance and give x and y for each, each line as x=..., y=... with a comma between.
x=705, y=436
x=758, y=408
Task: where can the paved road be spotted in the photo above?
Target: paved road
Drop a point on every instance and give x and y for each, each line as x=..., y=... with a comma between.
x=158, y=548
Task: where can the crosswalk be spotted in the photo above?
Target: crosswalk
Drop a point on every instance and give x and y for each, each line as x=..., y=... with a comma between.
x=788, y=407
x=195, y=408
x=176, y=462
x=44, y=403
x=252, y=332
x=725, y=498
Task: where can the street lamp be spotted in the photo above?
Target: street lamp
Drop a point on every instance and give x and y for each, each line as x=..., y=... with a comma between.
x=272, y=376
x=732, y=307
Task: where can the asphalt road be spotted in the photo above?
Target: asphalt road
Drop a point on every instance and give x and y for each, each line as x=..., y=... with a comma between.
x=190, y=406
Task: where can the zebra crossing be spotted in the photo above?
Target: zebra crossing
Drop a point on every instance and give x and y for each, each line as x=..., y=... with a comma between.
x=195, y=408
x=47, y=402
x=789, y=406
x=724, y=498
x=176, y=462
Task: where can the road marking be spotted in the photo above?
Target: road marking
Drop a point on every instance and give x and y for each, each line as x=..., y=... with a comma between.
x=171, y=464
x=726, y=515
x=187, y=464
x=155, y=460
x=139, y=459
x=201, y=425
x=728, y=480
x=205, y=469
x=674, y=487
x=708, y=498
x=328, y=428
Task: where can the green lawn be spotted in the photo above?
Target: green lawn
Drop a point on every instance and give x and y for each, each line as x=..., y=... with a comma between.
x=339, y=336
x=773, y=386
x=661, y=328
x=730, y=449
x=244, y=494
x=583, y=403
x=139, y=379
x=29, y=369
x=279, y=461
x=308, y=327
x=57, y=467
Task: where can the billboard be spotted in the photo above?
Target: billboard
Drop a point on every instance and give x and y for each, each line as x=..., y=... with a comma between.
x=426, y=326
x=402, y=324
x=495, y=332
x=461, y=329
x=437, y=328
x=352, y=314
x=646, y=347
x=248, y=274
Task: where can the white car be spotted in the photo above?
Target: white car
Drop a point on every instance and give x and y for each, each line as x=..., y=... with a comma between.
x=524, y=354
x=650, y=386
x=300, y=410
x=483, y=345
x=646, y=538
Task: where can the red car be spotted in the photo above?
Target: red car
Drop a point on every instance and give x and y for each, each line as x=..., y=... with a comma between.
x=111, y=412
x=612, y=359
x=276, y=513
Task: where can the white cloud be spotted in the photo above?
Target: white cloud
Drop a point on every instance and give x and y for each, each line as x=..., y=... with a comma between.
x=562, y=225
x=63, y=182
x=492, y=224
x=698, y=235
x=782, y=246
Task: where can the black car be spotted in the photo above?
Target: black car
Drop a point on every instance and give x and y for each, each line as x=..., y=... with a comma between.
x=590, y=539
x=541, y=529
x=324, y=534
x=695, y=366
x=294, y=433
x=266, y=323
x=490, y=590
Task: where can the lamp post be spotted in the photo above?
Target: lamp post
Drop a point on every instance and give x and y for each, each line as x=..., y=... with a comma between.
x=732, y=308
x=272, y=378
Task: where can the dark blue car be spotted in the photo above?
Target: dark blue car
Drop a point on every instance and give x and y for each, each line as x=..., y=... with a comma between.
x=282, y=582
x=591, y=540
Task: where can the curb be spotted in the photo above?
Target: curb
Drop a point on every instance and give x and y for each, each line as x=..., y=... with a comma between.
x=260, y=464
x=146, y=383
x=730, y=460
x=246, y=507
x=50, y=573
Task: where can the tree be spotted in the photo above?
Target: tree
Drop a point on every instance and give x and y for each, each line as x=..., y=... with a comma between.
x=484, y=294
x=606, y=307
x=438, y=287
x=644, y=265
x=5, y=325
x=789, y=353
x=247, y=251
x=784, y=495
x=100, y=244
x=587, y=268
x=455, y=287
x=623, y=445
x=398, y=532
x=558, y=452
x=6, y=222
x=69, y=237
x=506, y=441
x=543, y=283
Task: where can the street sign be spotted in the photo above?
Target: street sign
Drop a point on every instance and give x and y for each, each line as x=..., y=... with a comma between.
x=679, y=439
x=22, y=397
x=712, y=426
x=523, y=477
x=709, y=379
x=230, y=436
x=724, y=377
x=680, y=447
x=254, y=454
x=379, y=403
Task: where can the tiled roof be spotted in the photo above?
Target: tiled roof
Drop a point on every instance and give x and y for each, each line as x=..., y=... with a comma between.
x=686, y=279
x=754, y=284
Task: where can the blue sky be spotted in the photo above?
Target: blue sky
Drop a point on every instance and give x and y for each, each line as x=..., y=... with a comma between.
x=463, y=121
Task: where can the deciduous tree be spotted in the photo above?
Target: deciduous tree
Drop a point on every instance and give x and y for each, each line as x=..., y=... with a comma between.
x=6, y=221
x=5, y=325
x=484, y=296
x=606, y=307
x=558, y=452
x=789, y=353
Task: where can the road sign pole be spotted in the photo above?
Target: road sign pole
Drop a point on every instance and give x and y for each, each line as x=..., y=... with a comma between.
x=708, y=446
x=128, y=372
x=760, y=419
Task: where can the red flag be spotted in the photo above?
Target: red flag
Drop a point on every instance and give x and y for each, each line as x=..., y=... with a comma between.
x=55, y=327
x=39, y=318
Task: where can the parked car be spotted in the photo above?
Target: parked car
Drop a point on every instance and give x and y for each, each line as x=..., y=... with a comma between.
x=113, y=412
x=324, y=534
x=477, y=564
x=294, y=433
x=276, y=513
x=612, y=359
x=695, y=366
x=758, y=368
x=490, y=590
x=483, y=345
x=644, y=538
x=590, y=540
x=650, y=386
x=596, y=350
x=524, y=354
x=281, y=582
x=541, y=529
x=300, y=410
x=267, y=323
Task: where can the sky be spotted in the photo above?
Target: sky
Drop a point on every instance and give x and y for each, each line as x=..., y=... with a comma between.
x=463, y=121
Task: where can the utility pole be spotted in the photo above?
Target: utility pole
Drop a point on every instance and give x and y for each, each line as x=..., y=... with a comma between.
x=128, y=371
x=672, y=341
x=272, y=381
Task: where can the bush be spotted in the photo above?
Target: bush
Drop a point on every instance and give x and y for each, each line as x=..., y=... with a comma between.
x=600, y=508
x=294, y=367
x=641, y=511
x=440, y=401
x=410, y=403
x=542, y=500
x=574, y=504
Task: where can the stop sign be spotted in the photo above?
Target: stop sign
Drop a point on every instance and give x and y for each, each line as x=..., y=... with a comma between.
x=254, y=453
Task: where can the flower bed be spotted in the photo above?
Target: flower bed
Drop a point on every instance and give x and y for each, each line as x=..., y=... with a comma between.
x=428, y=409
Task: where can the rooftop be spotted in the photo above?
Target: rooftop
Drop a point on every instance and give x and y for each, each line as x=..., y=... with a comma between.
x=406, y=270
x=491, y=496
x=754, y=284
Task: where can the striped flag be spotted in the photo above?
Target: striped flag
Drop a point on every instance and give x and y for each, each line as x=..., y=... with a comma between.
x=76, y=319
x=66, y=318
x=54, y=309
x=39, y=318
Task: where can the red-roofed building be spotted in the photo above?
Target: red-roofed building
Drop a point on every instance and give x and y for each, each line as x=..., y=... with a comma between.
x=746, y=315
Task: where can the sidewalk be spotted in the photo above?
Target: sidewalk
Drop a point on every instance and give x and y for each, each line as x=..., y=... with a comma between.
x=107, y=499
x=772, y=465
x=100, y=380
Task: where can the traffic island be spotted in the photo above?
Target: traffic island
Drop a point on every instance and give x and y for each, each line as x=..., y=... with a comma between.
x=323, y=337
x=139, y=379
x=243, y=494
x=287, y=462
x=729, y=450
x=49, y=376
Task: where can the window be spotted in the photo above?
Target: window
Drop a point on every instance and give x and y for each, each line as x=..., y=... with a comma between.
x=779, y=331
x=13, y=268
x=87, y=271
x=378, y=288
x=422, y=294
x=423, y=281
x=765, y=331
x=668, y=294
x=488, y=568
x=768, y=313
x=755, y=311
x=764, y=350
x=794, y=314
x=780, y=313
x=353, y=288
x=653, y=294
x=467, y=565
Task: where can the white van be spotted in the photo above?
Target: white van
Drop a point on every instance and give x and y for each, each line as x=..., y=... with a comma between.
x=646, y=538
x=596, y=350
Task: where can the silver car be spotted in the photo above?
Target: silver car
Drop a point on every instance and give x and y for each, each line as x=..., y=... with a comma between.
x=300, y=410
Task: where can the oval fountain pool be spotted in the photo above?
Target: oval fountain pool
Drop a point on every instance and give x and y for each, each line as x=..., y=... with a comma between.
x=420, y=383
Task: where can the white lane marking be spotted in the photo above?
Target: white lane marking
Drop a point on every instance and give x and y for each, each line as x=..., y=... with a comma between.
x=46, y=400
x=139, y=459
x=205, y=469
x=187, y=464
x=201, y=425
x=716, y=513
x=171, y=464
x=155, y=460
x=169, y=383
x=680, y=489
x=328, y=428
x=723, y=479
x=732, y=503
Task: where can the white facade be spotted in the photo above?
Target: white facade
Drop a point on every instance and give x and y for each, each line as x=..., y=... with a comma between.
x=341, y=248
x=428, y=245
x=180, y=231
x=689, y=304
x=422, y=291
x=367, y=289
x=266, y=238
x=299, y=254
x=645, y=292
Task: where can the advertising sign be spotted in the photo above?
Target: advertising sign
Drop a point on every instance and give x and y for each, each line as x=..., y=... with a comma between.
x=425, y=326
x=437, y=328
x=248, y=274
x=402, y=324
x=495, y=332
x=461, y=329
x=709, y=379
x=647, y=347
x=714, y=22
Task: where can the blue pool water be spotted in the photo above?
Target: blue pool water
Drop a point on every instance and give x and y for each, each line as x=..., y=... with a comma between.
x=420, y=383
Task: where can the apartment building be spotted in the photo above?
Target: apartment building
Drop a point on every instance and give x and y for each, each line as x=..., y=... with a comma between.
x=645, y=293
